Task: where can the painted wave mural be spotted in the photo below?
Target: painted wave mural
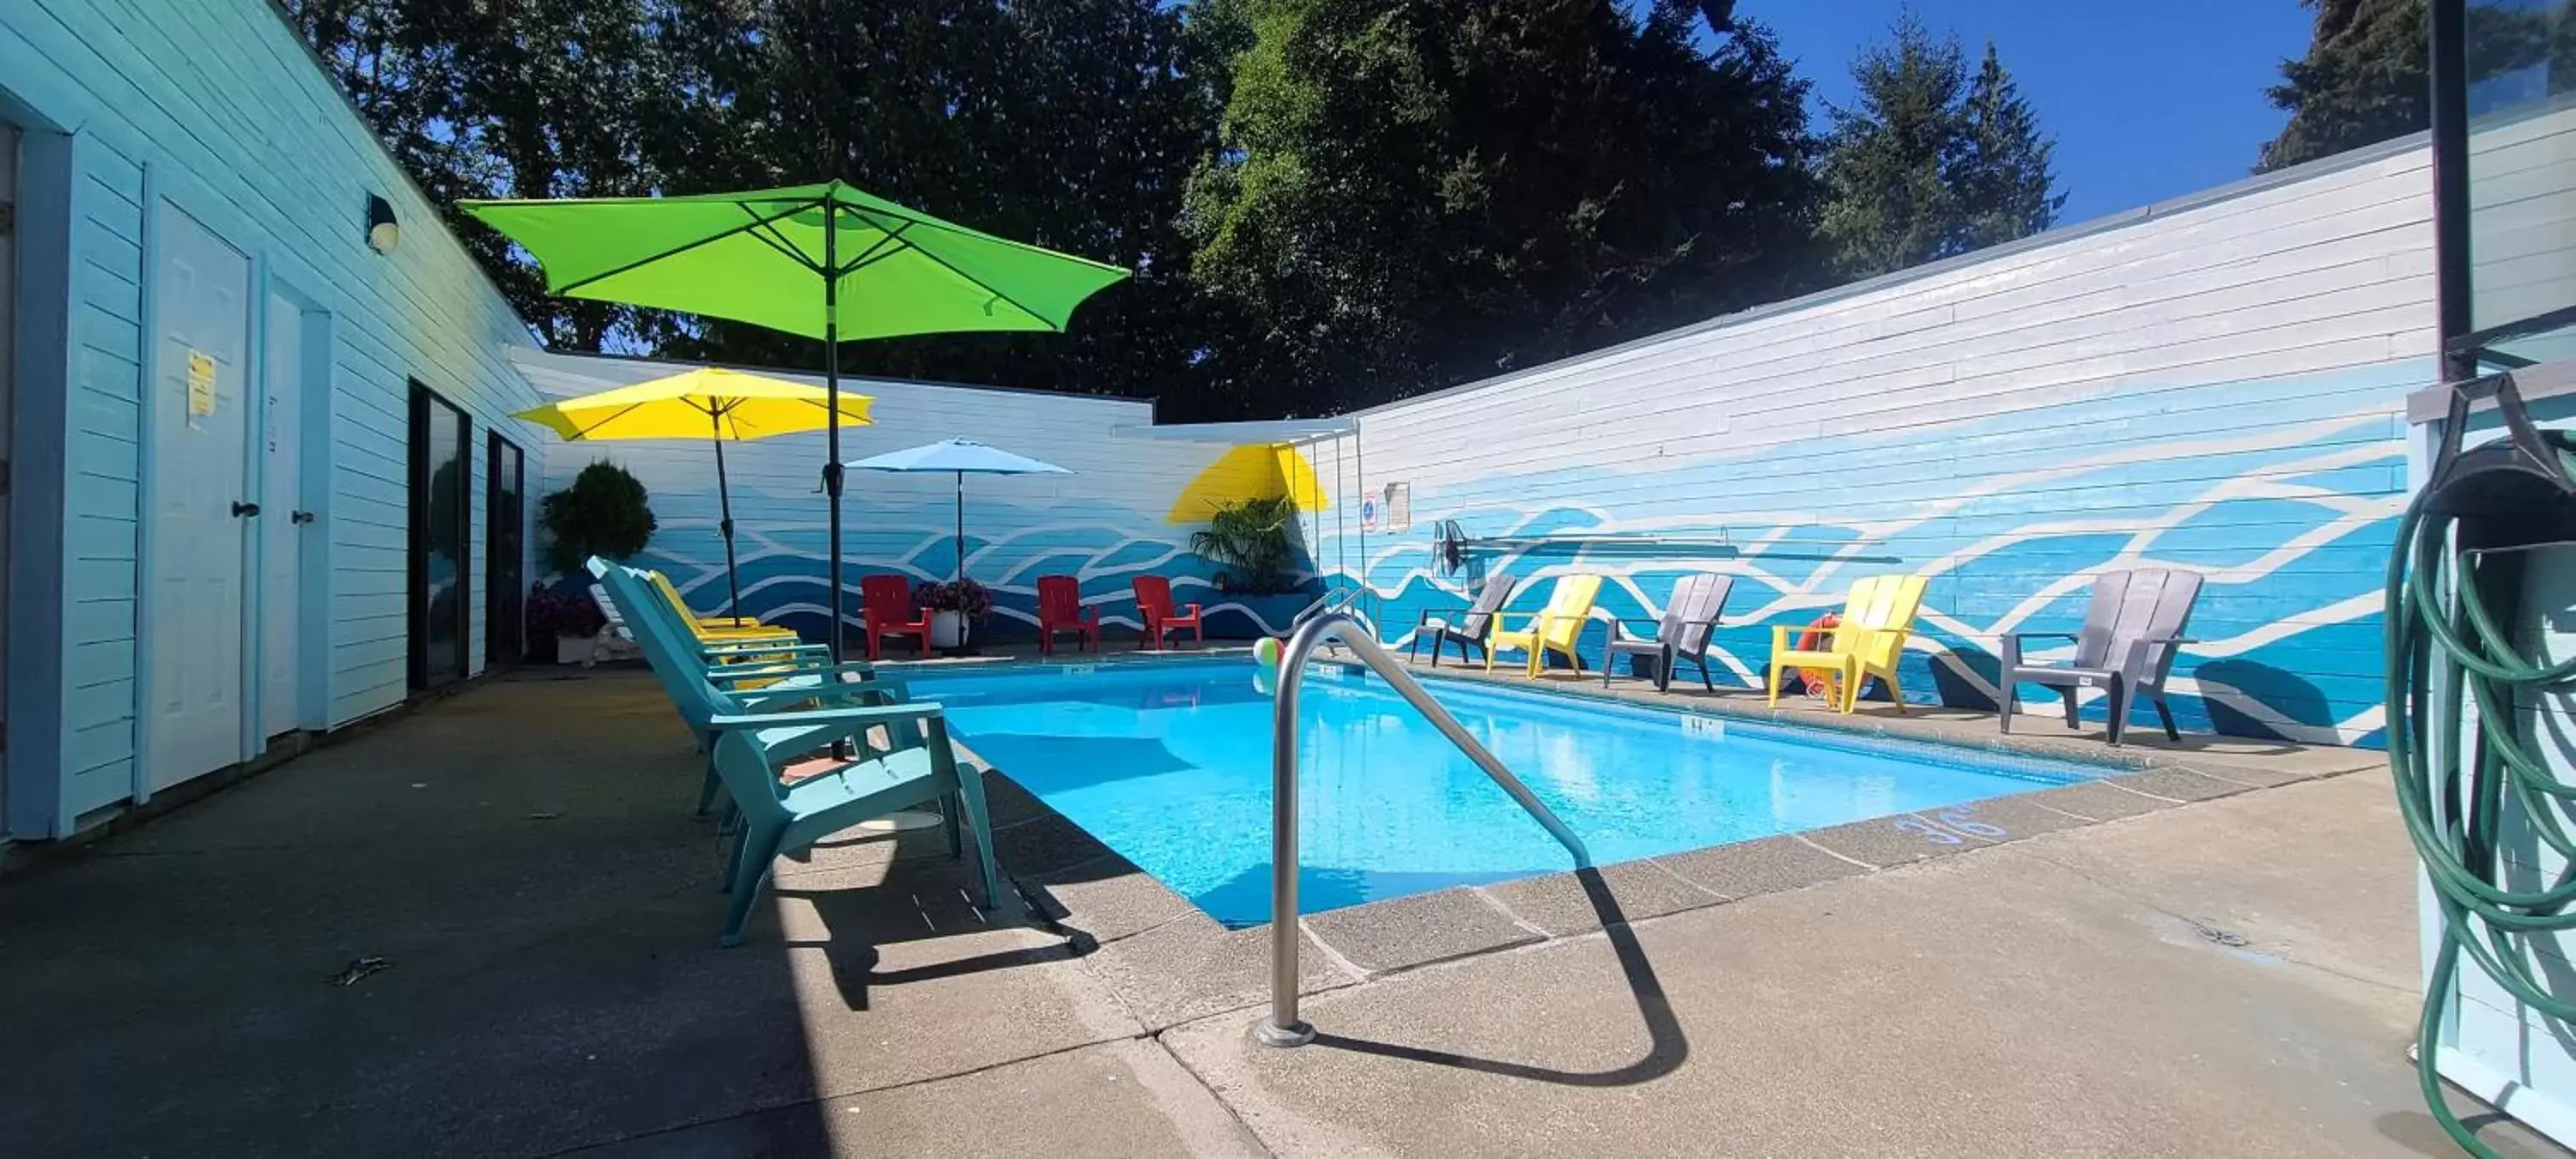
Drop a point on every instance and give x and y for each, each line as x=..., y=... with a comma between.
x=783, y=575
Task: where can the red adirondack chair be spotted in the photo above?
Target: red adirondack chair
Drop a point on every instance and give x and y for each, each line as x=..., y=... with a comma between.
x=1060, y=610
x=886, y=609
x=1154, y=606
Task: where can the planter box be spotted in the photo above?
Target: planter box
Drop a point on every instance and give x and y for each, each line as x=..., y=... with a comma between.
x=575, y=649
x=948, y=629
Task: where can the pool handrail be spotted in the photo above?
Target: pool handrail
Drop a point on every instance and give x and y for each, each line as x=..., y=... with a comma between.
x=1283, y=1027
x=1337, y=600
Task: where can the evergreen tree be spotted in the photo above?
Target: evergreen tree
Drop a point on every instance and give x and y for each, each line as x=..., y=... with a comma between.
x=2367, y=75
x=1930, y=162
x=2364, y=80
x=2003, y=175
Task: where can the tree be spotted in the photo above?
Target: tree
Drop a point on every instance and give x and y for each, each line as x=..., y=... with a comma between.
x=2367, y=75
x=605, y=512
x=2363, y=81
x=2008, y=188
x=545, y=98
x=1411, y=193
x=1930, y=162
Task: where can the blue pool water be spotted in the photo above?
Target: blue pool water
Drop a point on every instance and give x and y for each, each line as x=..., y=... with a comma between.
x=1169, y=764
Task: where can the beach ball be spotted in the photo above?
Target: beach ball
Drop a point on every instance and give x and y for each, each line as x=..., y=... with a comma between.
x=1265, y=652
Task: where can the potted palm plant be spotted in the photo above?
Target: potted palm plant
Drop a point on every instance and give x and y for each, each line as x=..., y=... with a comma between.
x=1253, y=540
x=954, y=606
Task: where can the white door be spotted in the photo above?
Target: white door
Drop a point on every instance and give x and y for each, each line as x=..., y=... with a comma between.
x=281, y=535
x=200, y=444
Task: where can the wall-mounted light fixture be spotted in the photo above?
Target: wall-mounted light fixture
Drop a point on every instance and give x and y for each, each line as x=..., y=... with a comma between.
x=383, y=232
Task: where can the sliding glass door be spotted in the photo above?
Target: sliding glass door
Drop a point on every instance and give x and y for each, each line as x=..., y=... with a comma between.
x=505, y=587
x=442, y=472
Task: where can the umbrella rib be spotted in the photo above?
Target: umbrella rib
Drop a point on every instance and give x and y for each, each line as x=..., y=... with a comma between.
x=892, y=243
x=983, y=285
x=767, y=231
x=923, y=219
x=756, y=222
x=622, y=412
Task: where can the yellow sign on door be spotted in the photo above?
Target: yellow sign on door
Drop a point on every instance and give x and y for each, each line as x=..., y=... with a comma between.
x=201, y=384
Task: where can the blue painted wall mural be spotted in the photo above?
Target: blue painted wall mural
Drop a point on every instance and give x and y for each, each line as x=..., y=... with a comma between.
x=2290, y=524
x=1127, y=508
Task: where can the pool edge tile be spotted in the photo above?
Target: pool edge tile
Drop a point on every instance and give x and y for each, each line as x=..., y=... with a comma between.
x=1418, y=929
x=1753, y=868
x=1562, y=906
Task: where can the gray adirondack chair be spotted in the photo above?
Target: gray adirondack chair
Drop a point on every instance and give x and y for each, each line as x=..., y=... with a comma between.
x=2132, y=631
x=1689, y=622
x=1468, y=628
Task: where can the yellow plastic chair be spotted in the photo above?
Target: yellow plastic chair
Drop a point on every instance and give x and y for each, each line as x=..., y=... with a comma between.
x=1555, y=628
x=718, y=629
x=1876, y=619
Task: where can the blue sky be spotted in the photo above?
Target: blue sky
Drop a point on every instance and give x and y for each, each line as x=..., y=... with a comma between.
x=2147, y=100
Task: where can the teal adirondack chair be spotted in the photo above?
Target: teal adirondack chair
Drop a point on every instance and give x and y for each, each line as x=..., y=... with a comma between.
x=702, y=690
x=779, y=818
x=749, y=749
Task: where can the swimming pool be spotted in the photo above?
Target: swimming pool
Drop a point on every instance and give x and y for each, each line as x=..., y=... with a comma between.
x=1169, y=764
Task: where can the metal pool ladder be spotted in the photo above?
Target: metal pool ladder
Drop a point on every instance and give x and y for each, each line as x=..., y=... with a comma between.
x=1283, y=1027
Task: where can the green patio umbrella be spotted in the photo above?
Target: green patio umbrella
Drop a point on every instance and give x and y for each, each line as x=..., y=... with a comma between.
x=825, y=261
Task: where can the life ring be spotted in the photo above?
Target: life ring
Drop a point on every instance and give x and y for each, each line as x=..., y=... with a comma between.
x=1818, y=683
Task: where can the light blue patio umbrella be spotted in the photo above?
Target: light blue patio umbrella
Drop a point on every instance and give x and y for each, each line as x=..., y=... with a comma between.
x=959, y=457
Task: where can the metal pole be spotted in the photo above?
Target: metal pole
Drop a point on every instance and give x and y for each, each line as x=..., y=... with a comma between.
x=1284, y=1027
x=2454, y=286
x=832, y=400
x=961, y=524
x=724, y=523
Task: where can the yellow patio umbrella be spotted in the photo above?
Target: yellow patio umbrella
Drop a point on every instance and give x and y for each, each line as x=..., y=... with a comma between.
x=711, y=403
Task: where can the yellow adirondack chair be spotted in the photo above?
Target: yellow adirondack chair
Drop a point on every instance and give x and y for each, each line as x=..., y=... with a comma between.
x=1876, y=619
x=1555, y=628
x=720, y=629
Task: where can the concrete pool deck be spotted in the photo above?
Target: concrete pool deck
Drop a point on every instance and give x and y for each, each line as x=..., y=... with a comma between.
x=2140, y=972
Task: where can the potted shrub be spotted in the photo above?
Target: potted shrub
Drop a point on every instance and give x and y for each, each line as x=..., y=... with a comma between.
x=570, y=619
x=603, y=513
x=1253, y=541
x=954, y=607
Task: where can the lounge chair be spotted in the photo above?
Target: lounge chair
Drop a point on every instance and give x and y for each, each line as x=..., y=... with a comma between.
x=781, y=818
x=1557, y=628
x=709, y=646
x=1154, y=607
x=1469, y=626
x=1869, y=641
x=713, y=627
x=885, y=609
x=1060, y=609
x=752, y=744
x=2132, y=632
x=735, y=680
x=1688, y=624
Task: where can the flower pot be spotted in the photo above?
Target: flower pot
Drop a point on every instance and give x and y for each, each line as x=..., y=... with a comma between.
x=574, y=649
x=947, y=629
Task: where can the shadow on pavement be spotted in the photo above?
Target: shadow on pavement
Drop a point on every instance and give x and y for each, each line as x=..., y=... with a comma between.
x=1667, y=1047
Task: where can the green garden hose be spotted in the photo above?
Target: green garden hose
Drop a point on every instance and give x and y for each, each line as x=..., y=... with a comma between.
x=2442, y=621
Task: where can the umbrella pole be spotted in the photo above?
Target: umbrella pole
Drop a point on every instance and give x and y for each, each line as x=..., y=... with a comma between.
x=961, y=524
x=832, y=402
x=724, y=523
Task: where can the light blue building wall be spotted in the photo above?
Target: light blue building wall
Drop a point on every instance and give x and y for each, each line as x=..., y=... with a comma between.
x=2214, y=384
x=170, y=139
